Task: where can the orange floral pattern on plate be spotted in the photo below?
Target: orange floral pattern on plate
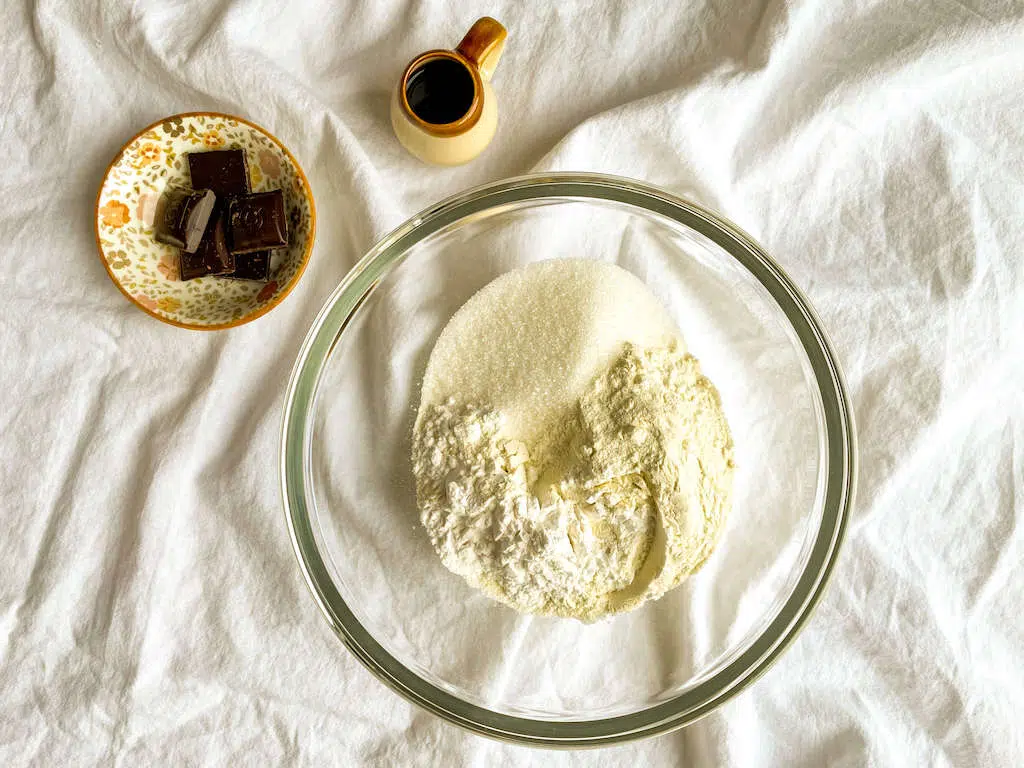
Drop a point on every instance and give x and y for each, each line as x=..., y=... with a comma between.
x=149, y=153
x=114, y=213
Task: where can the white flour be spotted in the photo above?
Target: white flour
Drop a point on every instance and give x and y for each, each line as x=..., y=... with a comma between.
x=610, y=496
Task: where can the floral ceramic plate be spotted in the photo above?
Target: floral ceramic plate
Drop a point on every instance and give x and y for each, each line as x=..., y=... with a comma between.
x=147, y=271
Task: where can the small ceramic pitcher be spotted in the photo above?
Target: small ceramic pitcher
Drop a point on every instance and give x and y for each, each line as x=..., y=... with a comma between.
x=444, y=110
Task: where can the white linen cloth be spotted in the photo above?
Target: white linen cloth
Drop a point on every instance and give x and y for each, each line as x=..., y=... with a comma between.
x=151, y=610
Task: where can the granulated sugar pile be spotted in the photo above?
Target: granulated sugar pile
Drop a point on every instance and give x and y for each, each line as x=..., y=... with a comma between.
x=570, y=458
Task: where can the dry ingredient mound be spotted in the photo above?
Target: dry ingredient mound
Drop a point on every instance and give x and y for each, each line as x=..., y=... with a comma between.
x=570, y=457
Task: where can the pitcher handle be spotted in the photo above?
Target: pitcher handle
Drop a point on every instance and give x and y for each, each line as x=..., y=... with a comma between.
x=483, y=45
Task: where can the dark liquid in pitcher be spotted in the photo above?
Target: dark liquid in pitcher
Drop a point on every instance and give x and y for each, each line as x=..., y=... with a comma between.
x=441, y=91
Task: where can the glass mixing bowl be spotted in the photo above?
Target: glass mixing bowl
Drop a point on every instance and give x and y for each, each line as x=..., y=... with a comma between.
x=350, y=501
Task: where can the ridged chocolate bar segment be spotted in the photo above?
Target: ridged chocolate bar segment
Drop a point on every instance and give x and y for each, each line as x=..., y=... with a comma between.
x=257, y=222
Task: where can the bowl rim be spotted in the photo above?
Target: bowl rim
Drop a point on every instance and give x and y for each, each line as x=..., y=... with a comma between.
x=746, y=666
x=282, y=293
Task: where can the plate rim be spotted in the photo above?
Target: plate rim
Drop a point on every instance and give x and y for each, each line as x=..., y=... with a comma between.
x=282, y=294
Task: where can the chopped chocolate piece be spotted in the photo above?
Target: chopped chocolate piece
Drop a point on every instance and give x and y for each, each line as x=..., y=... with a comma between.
x=257, y=222
x=251, y=266
x=182, y=216
x=191, y=266
x=224, y=171
x=212, y=257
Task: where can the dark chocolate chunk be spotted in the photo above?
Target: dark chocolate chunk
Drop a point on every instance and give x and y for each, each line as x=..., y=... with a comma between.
x=191, y=266
x=182, y=216
x=212, y=257
x=257, y=222
x=251, y=266
x=224, y=171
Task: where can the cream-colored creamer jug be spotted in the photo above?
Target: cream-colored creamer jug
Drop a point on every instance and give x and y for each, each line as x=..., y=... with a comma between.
x=444, y=110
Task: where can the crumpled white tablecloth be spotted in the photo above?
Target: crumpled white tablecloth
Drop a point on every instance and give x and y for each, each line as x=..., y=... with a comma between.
x=151, y=611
